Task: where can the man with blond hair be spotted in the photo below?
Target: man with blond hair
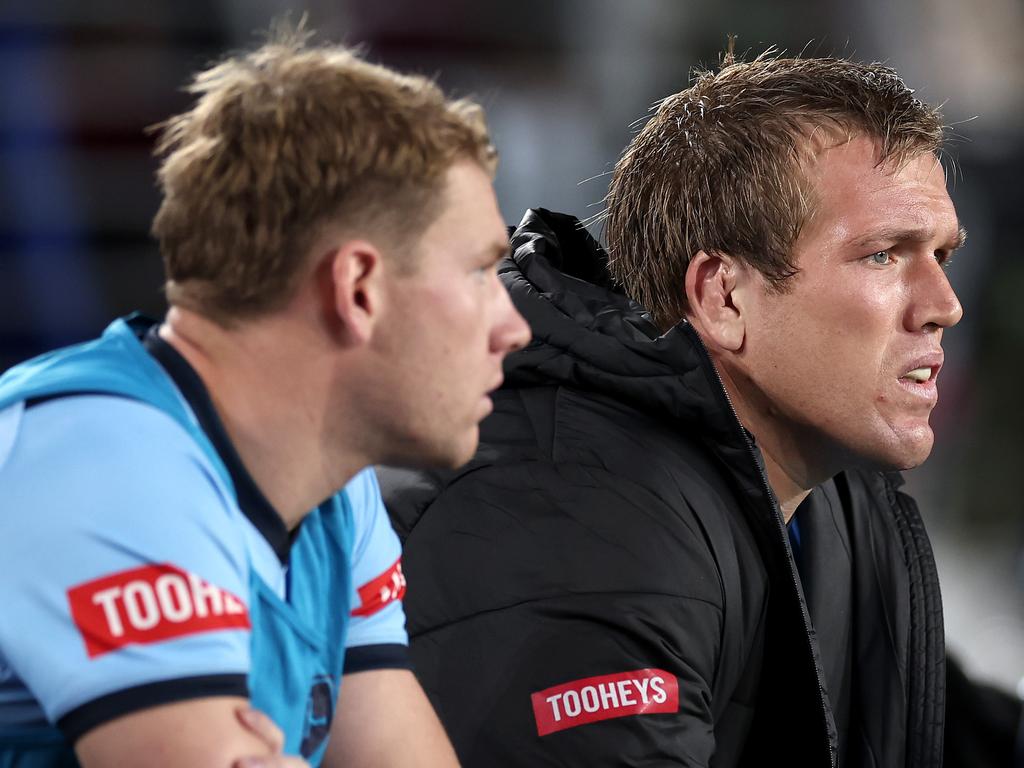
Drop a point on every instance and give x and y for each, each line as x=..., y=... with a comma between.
x=188, y=534
x=623, y=581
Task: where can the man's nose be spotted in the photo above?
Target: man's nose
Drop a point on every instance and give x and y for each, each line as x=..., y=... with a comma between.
x=512, y=331
x=935, y=303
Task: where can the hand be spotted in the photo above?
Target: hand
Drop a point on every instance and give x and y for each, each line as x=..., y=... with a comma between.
x=267, y=731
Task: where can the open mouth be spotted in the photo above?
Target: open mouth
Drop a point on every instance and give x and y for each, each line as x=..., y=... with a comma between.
x=919, y=375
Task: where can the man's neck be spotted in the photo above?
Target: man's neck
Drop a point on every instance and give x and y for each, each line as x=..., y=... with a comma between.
x=271, y=401
x=789, y=492
x=790, y=468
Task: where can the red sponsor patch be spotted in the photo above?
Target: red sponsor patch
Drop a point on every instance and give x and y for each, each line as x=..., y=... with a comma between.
x=148, y=605
x=384, y=589
x=640, y=692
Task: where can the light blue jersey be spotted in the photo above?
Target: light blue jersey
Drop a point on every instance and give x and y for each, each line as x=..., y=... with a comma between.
x=142, y=565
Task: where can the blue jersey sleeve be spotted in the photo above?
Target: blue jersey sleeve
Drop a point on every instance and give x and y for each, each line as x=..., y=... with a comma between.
x=376, y=635
x=124, y=580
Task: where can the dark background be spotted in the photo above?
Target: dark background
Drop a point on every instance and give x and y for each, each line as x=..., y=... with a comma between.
x=564, y=82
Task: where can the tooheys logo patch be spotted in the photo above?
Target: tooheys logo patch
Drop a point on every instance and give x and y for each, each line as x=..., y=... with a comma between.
x=384, y=589
x=148, y=605
x=640, y=692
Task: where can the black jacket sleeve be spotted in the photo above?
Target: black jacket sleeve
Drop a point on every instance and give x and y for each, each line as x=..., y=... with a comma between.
x=579, y=622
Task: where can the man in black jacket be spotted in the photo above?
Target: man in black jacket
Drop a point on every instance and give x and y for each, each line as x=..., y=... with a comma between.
x=682, y=541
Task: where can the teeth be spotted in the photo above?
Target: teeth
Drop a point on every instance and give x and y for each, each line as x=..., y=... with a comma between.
x=919, y=374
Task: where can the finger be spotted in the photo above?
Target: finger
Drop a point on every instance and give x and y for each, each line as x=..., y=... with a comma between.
x=263, y=727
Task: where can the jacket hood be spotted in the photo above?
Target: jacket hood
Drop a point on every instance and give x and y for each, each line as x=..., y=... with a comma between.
x=589, y=335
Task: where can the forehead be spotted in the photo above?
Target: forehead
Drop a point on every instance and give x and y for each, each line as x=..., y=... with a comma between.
x=469, y=214
x=852, y=195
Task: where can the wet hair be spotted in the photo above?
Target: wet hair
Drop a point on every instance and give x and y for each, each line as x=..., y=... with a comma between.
x=719, y=167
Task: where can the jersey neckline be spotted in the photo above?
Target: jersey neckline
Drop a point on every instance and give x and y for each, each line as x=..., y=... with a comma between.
x=253, y=504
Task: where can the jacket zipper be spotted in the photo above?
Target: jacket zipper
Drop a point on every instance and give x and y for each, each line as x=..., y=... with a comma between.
x=780, y=528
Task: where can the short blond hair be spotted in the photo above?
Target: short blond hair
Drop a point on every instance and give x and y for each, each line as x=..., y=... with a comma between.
x=720, y=167
x=285, y=140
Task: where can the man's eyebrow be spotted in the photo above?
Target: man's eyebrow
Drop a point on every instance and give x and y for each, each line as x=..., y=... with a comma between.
x=499, y=249
x=907, y=234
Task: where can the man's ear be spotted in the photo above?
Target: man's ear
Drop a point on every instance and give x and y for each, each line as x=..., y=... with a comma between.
x=353, y=290
x=715, y=287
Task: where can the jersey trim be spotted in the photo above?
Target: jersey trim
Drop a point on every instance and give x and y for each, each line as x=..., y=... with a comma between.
x=251, y=501
x=34, y=401
x=363, y=658
x=84, y=718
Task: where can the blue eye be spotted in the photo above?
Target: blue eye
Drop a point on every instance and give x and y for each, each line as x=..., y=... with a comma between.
x=882, y=258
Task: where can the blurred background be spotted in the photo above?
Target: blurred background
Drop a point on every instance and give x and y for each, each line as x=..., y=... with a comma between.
x=564, y=83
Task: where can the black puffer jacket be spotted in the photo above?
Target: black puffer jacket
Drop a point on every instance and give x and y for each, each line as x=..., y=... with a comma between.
x=615, y=537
